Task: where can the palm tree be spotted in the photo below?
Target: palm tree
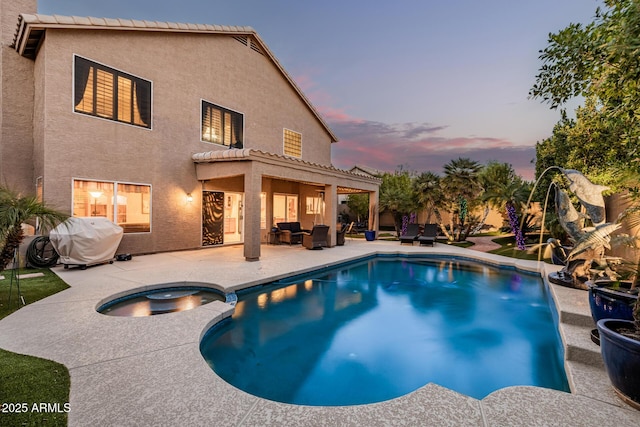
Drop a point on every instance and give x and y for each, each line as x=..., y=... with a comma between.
x=461, y=185
x=428, y=191
x=15, y=210
x=462, y=177
x=504, y=189
x=511, y=197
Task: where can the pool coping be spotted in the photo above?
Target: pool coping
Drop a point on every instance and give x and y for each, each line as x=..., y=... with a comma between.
x=149, y=370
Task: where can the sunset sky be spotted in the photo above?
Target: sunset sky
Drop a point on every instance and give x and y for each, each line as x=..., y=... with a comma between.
x=410, y=83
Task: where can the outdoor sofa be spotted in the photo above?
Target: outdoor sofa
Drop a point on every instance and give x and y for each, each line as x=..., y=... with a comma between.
x=290, y=232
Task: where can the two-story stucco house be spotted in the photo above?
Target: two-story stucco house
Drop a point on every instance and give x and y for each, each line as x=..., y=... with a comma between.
x=185, y=135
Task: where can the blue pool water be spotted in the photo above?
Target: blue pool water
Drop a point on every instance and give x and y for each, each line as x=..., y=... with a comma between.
x=381, y=328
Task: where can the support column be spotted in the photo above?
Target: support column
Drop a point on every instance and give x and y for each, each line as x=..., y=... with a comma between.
x=331, y=211
x=252, y=189
x=374, y=212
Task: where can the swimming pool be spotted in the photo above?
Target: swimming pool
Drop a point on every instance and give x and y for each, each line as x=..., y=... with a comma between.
x=383, y=327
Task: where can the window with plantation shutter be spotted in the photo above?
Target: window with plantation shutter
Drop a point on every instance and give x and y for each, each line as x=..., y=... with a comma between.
x=222, y=126
x=105, y=92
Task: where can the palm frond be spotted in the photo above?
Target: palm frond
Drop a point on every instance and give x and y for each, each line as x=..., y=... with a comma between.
x=631, y=216
x=625, y=240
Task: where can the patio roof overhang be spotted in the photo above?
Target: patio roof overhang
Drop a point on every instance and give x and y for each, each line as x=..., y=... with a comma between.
x=282, y=167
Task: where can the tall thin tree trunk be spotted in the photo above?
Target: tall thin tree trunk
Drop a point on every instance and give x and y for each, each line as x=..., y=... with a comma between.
x=436, y=211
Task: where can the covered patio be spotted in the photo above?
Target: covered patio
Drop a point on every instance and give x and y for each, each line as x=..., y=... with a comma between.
x=273, y=188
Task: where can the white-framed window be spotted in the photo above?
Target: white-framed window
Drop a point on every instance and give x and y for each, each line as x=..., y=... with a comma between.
x=292, y=143
x=222, y=126
x=126, y=204
x=285, y=208
x=111, y=94
x=314, y=205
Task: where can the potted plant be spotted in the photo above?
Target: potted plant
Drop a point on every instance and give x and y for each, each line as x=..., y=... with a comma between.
x=620, y=339
x=370, y=235
x=611, y=299
x=620, y=349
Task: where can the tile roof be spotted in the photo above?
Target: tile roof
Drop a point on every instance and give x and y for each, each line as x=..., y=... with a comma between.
x=366, y=170
x=89, y=22
x=248, y=153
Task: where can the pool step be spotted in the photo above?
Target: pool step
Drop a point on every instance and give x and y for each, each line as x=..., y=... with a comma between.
x=573, y=306
x=578, y=345
x=576, y=325
x=592, y=382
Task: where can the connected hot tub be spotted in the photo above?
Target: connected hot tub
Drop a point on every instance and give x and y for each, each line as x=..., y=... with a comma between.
x=169, y=298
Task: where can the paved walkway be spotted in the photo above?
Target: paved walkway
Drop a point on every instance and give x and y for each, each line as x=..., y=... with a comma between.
x=149, y=370
x=483, y=243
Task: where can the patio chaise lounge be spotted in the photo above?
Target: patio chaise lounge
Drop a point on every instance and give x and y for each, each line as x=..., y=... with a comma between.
x=317, y=239
x=428, y=236
x=340, y=235
x=410, y=236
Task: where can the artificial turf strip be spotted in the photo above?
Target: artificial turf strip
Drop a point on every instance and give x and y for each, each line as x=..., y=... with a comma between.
x=33, y=391
x=27, y=380
x=32, y=289
x=508, y=248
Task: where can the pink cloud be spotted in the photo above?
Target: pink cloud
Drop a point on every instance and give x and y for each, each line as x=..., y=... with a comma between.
x=415, y=146
x=418, y=147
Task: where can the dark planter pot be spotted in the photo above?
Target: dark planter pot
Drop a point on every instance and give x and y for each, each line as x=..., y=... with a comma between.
x=609, y=301
x=370, y=235
x=621, y=357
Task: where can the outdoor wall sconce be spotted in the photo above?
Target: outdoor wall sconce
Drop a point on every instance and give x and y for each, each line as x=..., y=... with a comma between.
x=189, y=198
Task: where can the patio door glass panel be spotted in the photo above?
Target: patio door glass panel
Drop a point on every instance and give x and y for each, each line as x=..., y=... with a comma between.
x=233, y=217
x=285, y=208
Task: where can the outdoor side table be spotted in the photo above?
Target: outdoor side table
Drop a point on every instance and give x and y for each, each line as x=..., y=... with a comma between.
x=274, y=237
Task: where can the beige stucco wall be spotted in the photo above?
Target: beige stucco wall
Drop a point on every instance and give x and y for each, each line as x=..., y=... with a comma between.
x=183, y=68
x=16, y=103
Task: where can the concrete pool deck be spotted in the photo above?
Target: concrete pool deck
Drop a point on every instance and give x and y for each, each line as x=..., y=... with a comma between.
x=149, y=371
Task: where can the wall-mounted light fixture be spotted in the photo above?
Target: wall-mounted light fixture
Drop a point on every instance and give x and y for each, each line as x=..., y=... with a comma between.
x=189, y=198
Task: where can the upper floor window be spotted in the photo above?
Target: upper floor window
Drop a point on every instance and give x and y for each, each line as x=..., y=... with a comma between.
x=222, y=126
x=111, y=94
x=292, y=143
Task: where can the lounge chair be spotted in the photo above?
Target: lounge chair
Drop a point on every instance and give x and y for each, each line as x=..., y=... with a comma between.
x=317, y=239
x=428, y=236
x=410, y=236
x=343, y=231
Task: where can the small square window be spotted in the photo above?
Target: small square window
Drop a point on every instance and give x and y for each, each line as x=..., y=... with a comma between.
x=292, y=143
